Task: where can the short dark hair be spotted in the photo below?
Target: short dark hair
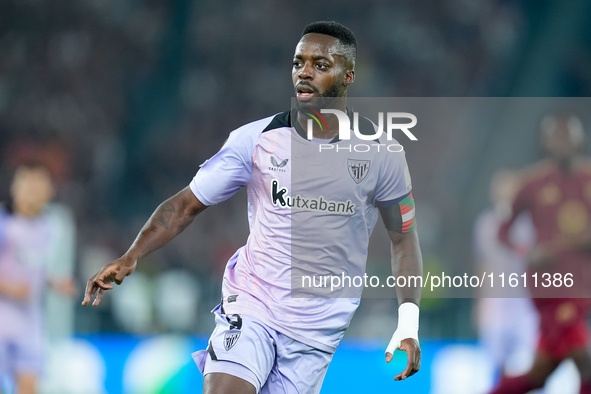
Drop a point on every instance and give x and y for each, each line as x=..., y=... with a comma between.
x=348, y=42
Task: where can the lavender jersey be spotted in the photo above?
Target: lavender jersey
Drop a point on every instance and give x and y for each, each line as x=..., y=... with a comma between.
x=311, y=212
x=24, y=249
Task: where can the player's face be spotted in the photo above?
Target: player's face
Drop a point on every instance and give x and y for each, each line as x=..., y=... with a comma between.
x=31, y=190
x=318, y=69
x=559, y=140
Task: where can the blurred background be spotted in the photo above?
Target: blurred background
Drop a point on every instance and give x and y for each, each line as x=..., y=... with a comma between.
x=123, y=100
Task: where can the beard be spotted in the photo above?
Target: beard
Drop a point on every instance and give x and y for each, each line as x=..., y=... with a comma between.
x=332, y=91
x=325, y=99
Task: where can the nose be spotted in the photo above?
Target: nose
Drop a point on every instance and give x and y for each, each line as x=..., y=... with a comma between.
x=305, y=72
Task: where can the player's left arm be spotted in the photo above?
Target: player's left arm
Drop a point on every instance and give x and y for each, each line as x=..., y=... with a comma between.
x=545, y=253
x=581, y=241
x=394, y=200
x=16, y=291
x=406, y=262
x=65, y=286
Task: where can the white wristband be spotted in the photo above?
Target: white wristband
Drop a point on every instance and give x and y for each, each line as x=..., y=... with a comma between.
x=408, y=326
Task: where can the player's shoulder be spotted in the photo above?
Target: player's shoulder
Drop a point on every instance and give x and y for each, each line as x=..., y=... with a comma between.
x=485, y=222
x=273, y=122
x=6, y=209
x=366, y=126
x=536, y=172
x=5, y=215
x=485, y=217
x=247, y=136
x=584, y=166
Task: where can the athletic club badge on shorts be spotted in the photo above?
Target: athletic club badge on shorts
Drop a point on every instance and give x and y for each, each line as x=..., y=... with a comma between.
x=358, y=169
x=230, y=339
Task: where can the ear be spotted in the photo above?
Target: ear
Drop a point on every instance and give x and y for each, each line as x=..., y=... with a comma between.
x=349, y=77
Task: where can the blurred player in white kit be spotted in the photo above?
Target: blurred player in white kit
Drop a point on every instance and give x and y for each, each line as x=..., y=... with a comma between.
x=507, y=320
x=27, y=241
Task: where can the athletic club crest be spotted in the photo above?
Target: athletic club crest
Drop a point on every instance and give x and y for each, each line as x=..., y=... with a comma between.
x=230, y=339
x=358, y=169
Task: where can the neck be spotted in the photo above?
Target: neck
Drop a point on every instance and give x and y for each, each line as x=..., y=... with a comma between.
x=566, y=165
x=324, y=127
x=27, y=209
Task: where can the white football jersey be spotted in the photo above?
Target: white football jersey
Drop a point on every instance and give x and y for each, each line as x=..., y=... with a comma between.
x=311, y=211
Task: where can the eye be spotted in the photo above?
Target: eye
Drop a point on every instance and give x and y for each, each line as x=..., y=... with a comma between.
x=297, y=64
x=321, y=66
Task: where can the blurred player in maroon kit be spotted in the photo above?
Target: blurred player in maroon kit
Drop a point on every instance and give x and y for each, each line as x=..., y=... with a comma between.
x=557, y=194
x=508, y=323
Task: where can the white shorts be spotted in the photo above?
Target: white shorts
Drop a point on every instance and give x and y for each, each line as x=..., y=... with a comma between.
x=20, y=357
x=272, y=362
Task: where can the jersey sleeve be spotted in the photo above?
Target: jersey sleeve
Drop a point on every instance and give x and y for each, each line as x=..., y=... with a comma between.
x=3, y=220
x=519, y=205
x=393, y=180
x=393, y=194
x=228, y=170
x=478, y=237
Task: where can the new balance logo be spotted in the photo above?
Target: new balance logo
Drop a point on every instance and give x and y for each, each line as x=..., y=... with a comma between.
x=281, y=199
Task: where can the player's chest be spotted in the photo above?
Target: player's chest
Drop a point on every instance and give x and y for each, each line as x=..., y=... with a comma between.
x=28, y=242
x=305, y=170
x=553, y=192
x=566, y=202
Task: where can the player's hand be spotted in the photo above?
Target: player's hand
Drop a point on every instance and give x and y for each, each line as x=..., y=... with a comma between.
x=540, y=256
x=413, y=353
x=113, y=272
x=65, y=286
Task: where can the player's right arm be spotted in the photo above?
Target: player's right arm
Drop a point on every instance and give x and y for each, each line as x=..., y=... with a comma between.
x=168, y=220
x=217, y=180
x=519, y=204
x=16, y=291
